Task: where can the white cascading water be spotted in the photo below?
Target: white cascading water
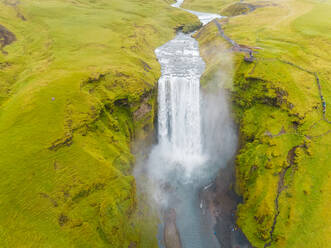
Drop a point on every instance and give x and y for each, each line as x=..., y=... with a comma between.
x=177, y=163
x=179, y=119
x=183, y=161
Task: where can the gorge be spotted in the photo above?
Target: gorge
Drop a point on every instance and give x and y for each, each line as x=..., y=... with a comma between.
x=155, y=123
x=194, y=139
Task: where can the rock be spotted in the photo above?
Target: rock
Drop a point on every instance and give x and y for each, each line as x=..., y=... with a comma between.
x=171, y=234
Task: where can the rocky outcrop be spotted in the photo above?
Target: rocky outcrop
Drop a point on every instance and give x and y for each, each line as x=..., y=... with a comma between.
x=6, y=38
x=171, y=234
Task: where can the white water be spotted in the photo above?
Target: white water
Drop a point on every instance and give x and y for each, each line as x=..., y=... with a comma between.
x=179, y=119
x=179, y=101
x=181, y=164
x=203, y=17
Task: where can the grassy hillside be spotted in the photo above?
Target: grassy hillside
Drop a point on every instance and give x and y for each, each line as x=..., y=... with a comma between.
x=283, y=170
x=77, y=86
x=212, y=6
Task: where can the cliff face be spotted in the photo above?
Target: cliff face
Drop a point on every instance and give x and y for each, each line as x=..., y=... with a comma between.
x=280, y=101
x=77, y=86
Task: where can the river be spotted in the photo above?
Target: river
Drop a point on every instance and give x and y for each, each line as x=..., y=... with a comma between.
x=196, y=138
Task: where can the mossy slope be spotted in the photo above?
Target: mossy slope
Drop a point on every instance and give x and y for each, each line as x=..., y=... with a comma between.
x=76, y=87
x=283, y=170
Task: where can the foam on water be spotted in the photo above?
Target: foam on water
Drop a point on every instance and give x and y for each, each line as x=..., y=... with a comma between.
x=203, y=17
x=179, y=166
x=179, y=119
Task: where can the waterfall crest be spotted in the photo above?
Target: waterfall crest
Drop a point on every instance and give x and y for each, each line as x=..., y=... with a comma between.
x=179, y=119
x=190, y=147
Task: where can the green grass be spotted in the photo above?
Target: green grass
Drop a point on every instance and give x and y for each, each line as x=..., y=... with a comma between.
x=71, y=103
x=235, y=9
x=311, y=25
x=278, y=107
x=206, y=5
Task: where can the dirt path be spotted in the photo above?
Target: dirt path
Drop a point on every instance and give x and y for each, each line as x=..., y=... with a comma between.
x=220, y=193
x=241, y=48
x=281, y=187
x=317, y=79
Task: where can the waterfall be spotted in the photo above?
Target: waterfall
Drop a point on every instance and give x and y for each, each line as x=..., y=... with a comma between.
x=179, y=119
x=178, y=164
x=192, y=144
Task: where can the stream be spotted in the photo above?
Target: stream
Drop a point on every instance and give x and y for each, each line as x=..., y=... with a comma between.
x=196, y=137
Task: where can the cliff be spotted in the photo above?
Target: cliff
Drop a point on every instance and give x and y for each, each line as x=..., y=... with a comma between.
x=280, y=99
x=77, y=87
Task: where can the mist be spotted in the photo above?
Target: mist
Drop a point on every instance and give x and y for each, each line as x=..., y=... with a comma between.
x=196, y=137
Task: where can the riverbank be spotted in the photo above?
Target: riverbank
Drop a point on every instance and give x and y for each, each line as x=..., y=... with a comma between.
x=171, y=234
x=282, y=166
x=220, y=202
x=77, y=87
x=184, y=158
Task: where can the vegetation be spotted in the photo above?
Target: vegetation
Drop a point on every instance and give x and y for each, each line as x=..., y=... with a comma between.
x=211, y=6
x=236, y=9
x=77, y=86
x=283, y=170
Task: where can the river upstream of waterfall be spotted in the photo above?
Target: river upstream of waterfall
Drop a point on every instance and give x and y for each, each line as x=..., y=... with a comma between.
x=196, y=137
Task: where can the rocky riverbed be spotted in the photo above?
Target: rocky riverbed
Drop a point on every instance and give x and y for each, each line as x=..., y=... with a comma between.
x=220, y=202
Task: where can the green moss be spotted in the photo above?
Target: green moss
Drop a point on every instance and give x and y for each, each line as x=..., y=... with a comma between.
x=72, y=87
x=282, y=165
x=236, y=9
x=191, y=27
x=211, y=6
